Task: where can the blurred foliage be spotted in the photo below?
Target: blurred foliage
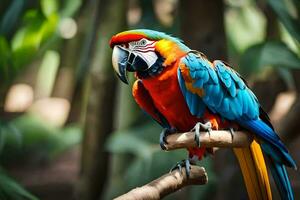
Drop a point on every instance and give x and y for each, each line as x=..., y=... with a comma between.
x=288, y=14
x=242, y=19
x=10, y=190
x=269, y=53
x=27, y=137
x=35, y=27
x=27, y=30
x=47, y=73
x=249, y=47
x=27, y=140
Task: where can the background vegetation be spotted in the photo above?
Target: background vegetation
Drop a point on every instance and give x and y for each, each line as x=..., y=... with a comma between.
x=70, y=130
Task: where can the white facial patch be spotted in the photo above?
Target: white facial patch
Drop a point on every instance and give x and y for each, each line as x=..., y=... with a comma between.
x=142, y=45
x=145, y=49
x=149, y=57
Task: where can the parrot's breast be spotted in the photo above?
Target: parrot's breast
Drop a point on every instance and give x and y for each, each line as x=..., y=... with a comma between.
x=168, y=99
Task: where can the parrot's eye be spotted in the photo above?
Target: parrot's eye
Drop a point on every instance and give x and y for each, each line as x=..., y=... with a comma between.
x=139, y=43
x=124, y=45
x=143, y=42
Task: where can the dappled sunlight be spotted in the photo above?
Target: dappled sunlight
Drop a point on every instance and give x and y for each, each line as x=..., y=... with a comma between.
x=54, y=111
x=67, y=28
x=165, y=11
x=282, y=105
x=19, y=98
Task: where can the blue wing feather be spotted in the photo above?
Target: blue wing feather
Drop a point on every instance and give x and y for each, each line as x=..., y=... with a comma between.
x=194, y=102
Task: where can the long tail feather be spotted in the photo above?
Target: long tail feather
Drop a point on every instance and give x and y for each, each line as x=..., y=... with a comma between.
x=282, y=180
x=276, y=151
x=254, y=171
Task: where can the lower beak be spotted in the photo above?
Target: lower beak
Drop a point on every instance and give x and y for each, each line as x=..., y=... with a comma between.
x=119, y=62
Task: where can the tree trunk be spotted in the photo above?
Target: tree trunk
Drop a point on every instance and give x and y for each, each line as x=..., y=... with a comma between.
x=202, y=27
x=87, y=29
x=100, y=103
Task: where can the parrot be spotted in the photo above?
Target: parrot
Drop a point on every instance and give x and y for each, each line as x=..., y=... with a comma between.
x=183, y=90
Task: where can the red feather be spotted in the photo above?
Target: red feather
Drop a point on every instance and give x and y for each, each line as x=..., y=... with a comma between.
x=124, y=38
x=144, y=100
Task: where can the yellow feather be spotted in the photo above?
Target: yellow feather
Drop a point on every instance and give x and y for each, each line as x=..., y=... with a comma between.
x=169, y=50
x=254, y=171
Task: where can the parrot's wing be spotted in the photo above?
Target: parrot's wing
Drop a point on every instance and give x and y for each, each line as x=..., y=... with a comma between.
x=144, y=100
x=223, y=91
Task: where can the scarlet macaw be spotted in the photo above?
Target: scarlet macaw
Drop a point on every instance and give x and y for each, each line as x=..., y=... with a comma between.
x=181, y=89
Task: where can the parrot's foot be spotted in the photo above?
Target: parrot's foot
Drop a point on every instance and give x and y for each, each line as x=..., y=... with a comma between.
x=231, y=130
x=206, y=127
x=163, y=135
x=183, y=163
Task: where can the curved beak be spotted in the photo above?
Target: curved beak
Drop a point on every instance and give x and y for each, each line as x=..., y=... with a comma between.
x=119, y=62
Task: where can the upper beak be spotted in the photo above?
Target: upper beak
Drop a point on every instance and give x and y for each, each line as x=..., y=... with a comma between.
x=119, y=62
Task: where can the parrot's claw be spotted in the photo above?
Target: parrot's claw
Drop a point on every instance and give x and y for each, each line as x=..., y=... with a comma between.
x=183, y=163
x=163, y=135
x=231, y=130
x=207, y=127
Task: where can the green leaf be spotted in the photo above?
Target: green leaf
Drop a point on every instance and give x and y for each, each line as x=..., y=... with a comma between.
x=49, y=7
x=16, y=136
x=271, y=53
x=11, y=16
x=5, y=61
x=291, y=23
x=9, y=134
x=30, y=139
x=10, y=189
x=70, y=7
x=28, y=40
x=129, y=143
x=47, y=73
x=2, y=138
x=140, y=141
x=67, y=137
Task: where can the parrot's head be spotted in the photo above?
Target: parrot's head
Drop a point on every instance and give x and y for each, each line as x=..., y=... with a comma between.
x=145, y=52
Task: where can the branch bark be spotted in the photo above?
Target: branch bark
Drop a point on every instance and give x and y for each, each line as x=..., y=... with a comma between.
x=216, y=138
x=167, y=184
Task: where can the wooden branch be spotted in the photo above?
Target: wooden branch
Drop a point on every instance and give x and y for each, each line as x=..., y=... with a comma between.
x=220, y=138
x=169, y=183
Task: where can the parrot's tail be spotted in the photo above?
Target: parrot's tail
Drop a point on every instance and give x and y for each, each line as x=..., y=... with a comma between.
x=254, y=171
x=282, y=180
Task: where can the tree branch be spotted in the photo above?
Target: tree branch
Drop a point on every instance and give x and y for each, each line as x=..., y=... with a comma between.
x=167, y=184
x=220, y=138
